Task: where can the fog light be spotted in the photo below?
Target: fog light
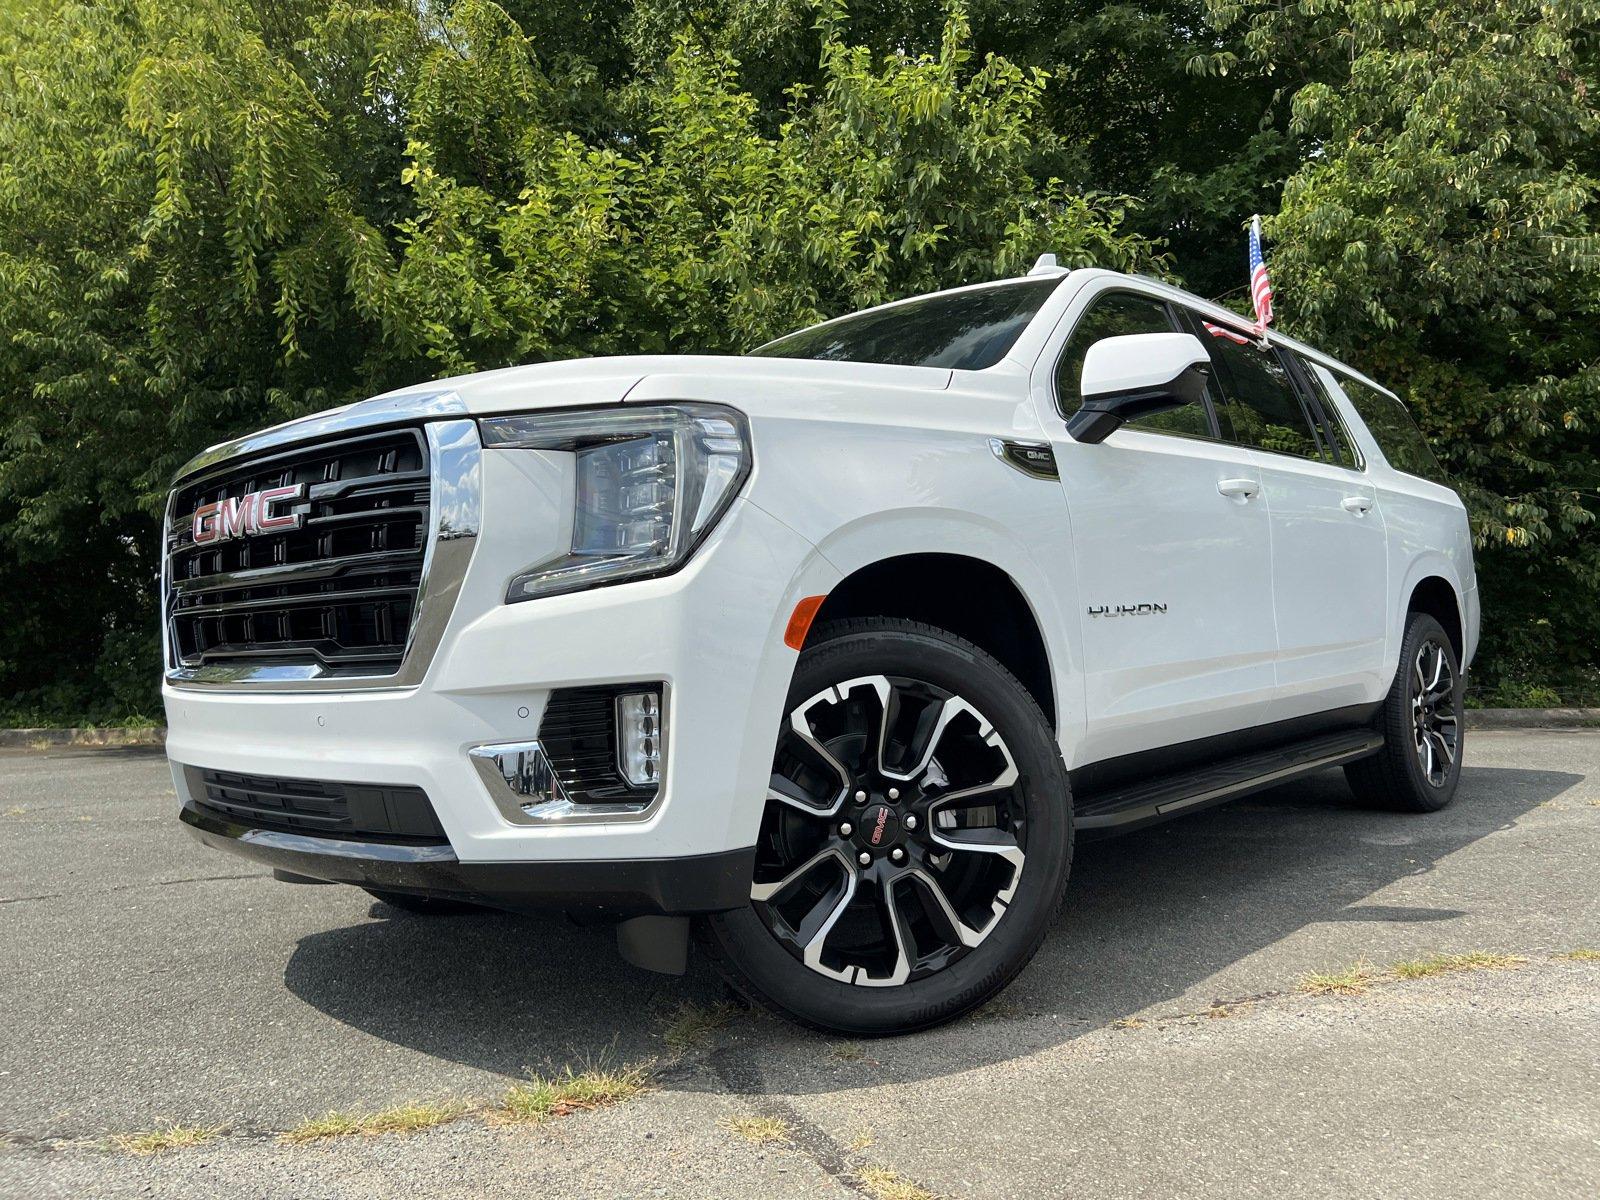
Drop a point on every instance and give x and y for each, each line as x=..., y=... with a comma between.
x=641, y=734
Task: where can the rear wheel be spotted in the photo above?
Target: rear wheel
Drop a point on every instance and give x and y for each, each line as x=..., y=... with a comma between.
x=916, y=838
x=1420, y=763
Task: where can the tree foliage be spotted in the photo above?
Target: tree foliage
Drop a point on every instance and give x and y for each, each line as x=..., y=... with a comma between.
x=223, y=213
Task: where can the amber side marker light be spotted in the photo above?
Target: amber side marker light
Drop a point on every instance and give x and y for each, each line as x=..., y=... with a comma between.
x=800, y=621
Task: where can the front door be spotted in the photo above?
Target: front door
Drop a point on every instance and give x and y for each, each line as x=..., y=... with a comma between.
x=1171, y=542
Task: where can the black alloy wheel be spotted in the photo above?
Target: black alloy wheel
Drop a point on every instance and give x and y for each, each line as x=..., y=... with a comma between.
x=915, y=836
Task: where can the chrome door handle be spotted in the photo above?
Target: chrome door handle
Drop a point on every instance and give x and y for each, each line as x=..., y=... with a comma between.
x=1356, y=504
x=1240, y=489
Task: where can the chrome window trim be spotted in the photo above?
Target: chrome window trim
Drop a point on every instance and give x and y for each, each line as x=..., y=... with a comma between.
x=455, y=470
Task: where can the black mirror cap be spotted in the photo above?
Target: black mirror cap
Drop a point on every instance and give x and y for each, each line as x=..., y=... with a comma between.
x=1101, y=415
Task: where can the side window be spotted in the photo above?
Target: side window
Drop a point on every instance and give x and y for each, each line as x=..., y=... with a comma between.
x=1257, y=405
x=1391, y=427
x=1114, y=314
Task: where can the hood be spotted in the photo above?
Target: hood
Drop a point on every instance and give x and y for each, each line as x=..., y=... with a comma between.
x=587, y=381
x=576, y=383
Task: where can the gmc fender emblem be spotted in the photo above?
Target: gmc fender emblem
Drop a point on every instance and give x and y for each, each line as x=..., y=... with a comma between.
x=247, y=515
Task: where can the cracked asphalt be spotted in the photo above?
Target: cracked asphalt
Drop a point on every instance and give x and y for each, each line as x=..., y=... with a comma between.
x=1158, y=1046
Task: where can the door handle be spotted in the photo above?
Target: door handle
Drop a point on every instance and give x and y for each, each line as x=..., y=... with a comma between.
x=1356, y=504
x=1239, y=489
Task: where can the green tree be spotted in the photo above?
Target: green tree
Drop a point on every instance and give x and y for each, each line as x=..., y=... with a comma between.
x=221, y=214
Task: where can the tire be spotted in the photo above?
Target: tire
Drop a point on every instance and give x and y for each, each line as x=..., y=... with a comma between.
x=1420, y=763
x=424, y=906
x=967, y=797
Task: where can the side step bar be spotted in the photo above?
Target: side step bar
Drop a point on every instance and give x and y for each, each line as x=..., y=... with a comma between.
x=1134, y=805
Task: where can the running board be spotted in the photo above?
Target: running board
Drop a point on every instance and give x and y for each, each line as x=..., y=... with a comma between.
x=1148, y=801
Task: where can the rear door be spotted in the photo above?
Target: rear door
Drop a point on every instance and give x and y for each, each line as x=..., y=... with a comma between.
x=1170, y=541
x=1329, y=558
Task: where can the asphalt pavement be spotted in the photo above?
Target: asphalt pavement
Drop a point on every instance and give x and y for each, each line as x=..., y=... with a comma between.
x=1160, y=1045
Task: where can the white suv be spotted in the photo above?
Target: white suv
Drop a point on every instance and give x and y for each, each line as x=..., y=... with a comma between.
x=834, y=647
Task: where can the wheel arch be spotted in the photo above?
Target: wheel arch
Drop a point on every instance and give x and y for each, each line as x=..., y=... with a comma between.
x=1436, y=596
x=988, y=608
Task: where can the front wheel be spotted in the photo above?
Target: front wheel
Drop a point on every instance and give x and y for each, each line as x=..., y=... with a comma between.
x=916, y=838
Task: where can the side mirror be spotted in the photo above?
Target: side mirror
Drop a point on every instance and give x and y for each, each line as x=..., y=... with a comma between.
x=1135, y=375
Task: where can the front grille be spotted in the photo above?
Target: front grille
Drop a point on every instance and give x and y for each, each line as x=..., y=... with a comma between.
x=318, y=808
x=339, y=591
x=579, y=735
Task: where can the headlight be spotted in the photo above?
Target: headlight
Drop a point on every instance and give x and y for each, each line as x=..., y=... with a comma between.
x=651, y=483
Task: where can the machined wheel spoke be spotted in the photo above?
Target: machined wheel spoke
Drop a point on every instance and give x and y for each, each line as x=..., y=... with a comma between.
x=766, y=892
x=955, y=928
x=1444, y=745
x=887, y=908
x=948, y=712
x=818, y=924
x=783, y=791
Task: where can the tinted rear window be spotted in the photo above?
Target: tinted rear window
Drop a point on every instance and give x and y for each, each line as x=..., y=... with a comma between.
x=1392, y=428
x=967, y=331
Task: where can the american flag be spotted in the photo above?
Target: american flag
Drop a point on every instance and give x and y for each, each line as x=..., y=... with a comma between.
x=1260, y=284
x=1222, y=331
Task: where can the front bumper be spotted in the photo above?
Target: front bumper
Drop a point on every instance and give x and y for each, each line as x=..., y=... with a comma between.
x=712, y=633
x=598, y=889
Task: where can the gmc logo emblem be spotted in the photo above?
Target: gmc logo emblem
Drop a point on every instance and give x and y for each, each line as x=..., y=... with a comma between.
x=246, y=515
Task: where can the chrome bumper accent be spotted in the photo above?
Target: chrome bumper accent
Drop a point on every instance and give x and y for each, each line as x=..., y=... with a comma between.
x=525, y=789
x=456, y=483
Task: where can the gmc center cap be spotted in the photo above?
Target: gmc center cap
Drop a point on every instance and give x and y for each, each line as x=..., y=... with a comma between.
x=878, y=829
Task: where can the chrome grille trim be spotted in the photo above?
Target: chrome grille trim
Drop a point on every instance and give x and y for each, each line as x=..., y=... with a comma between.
x=455, y=490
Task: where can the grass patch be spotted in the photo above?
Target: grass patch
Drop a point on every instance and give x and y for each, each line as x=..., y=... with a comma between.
x=1581, y=954
x=170, y=1137
x=1352, y=981
x=1129, y=1023
x=762, y=1131
x=1444, y=964
x=691, y=1026
x=886, y=1184
x=571, y=1091
x=402, y=1118
x=16, y=810
x=848, y=1052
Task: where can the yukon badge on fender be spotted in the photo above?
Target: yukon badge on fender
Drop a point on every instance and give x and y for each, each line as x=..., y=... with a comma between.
x=798, y=646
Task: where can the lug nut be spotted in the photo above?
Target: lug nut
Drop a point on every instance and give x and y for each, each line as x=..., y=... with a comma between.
x=864, y=859
x=846, y=829
x=861, y=797
x=894, y=793
x=911, y=820
x=897, y=854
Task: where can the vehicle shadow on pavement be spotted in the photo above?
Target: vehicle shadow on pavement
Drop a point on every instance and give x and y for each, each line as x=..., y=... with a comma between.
x=1148, y=918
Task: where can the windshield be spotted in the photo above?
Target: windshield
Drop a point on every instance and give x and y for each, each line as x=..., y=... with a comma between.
x=967, y=330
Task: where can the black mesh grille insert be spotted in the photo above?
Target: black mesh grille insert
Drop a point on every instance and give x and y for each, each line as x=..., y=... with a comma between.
x=579, y=734
x=318, y=808
x=339, y=589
